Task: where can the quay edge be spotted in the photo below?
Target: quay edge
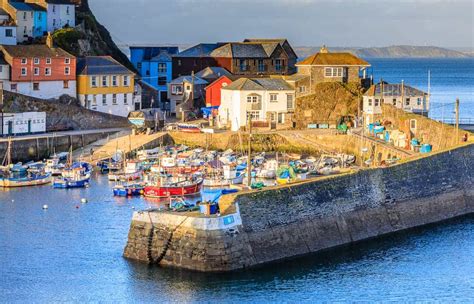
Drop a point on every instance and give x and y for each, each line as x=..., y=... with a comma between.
x=259, y=227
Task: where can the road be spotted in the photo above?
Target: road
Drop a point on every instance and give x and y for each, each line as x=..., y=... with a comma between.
x=65, y=133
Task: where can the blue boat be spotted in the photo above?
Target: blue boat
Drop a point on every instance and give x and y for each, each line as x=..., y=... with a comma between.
x=77, y=176
x=67, y=183
x=128, y=189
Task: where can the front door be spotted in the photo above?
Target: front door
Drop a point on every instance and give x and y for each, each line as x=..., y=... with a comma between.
x=29, y=126
x=10, y=128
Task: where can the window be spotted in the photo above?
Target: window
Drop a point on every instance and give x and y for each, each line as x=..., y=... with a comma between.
x=54, y=22
x=24, y=30
x=114, y=99
x=147, y=73
x=370, y=102
x=36, y=60
x=302, y=89
x=66, y=84
x=8, y=33
x=413, y=124
x=94, y=100
x=394, y=101
x=114, y=81
x=252, y=99
x=67, y=10
x=104, y=100
x=242, y=64
x=162, y=80
x=105, y=81
x=407, y=101
x=125, y=81
x=24, y=61
x=261, y=65
x=289, y=102
x=333, y=72
x=39, y=16
x=23, y=72
x=281, y=118
x=54, y=8
x=48, y=60
x=254, y=115
x=36, y=86
x=24, y=15
x=37, y=71
x=161, y=67
x=418, y=101
x=176, y=89
x=47, y=71
x=94, y=81
x=67, y=71
x=139, y=65
x=376, y=102
x=188, y=87
x=179, y=62
x=273, y=97
x=13, y=86
x=125, y=99
x=67, y=60
x=278, y=64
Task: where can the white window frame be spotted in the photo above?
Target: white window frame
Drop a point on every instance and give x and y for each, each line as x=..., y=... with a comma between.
x=104, y=99
x=93, y=81
x=24, y=60
x=24, y=72
x=67, y=60
x=106, y=78
x=290, y=100
x=255, y=115
x=334, y=72
x=36, y=60
x=36, y=71
x=114, y=99
x=125, y=99
x=67, y=71
x=162, y=67
x=48, y=60
x=114, y=81
x=125, y=81
x=273, y=97
x=47, y=71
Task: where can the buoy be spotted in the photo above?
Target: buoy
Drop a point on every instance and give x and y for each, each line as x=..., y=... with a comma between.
x=84, y=200
x=45, y=207
x=133, y=207
x=13, y=201
x=77, y=206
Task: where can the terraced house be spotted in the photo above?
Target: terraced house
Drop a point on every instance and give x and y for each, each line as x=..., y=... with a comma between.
x=60, y=13
x=252, y=57
x=30, y=18
x=104, y=85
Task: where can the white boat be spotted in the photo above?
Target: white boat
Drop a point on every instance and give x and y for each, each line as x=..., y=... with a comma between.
x=229, y=177
x=269, y=169
x=133, y=171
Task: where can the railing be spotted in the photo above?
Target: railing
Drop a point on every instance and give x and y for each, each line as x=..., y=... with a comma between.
x=452, y=121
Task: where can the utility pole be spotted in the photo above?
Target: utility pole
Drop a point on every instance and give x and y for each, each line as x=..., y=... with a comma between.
x=1, y=109
x=249, y=159
x=456, y=111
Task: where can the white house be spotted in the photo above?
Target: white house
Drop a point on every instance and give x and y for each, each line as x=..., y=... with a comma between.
x=264, y=99
x=7, y=29
x=30, y=18
x=23, y=123
x=61, y=13
x=401, y=96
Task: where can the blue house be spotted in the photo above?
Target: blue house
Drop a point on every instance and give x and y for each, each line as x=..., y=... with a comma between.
x=31, y=19
x=154, y=64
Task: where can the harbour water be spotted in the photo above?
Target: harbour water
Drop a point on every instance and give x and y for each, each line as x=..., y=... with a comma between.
x=72, y=252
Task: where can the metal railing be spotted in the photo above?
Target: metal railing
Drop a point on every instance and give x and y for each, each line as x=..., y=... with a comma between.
x=452, y=121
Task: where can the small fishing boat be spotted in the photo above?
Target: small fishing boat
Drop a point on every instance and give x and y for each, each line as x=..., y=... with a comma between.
x=188, y=128
x=163, y=187
x=228, y=176
x=12, y=180
x=54, y=166
x=133, y=171
x=77, y=176
x=129, y=189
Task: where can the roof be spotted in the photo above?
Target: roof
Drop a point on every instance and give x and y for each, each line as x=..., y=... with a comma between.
x=272, y=43
x=65, y=2
x=258, y=84
x=325, y=59
x=200, y=50
x=189, y=79
x=22, y=6
x=34, y=50
x=212, y=72
x=295, y=77
x=394, y=90
x=153, y=52
x=2, y=59
x=241, y=50
x=3, y=12
x=100, y=65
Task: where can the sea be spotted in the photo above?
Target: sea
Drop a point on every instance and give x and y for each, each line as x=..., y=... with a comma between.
x=72, y=251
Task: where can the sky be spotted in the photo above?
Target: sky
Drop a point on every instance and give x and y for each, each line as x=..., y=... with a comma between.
x=345, y=23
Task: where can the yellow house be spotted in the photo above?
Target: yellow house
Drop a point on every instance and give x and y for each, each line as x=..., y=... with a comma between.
x=104, y=85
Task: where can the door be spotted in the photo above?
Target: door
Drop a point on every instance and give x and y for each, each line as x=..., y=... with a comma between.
x=10, y=128
x=29, y=126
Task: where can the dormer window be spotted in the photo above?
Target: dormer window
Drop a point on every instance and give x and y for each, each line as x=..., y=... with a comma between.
x=24, y=61
x=36, y=60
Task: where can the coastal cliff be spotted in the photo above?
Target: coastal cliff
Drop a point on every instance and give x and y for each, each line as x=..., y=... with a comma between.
x=258, y=227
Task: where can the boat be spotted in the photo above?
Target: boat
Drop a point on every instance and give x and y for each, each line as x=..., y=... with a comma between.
x=133, y=171
x=162, y=186
x=129, y=189
x=77, y=176
x=227, y=177
x=54, y=166
x=188, y=128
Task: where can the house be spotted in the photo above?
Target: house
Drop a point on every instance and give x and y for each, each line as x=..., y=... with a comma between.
x=7, y=29
x=4, y=73
x=154, y=65
x=105, y=85
x=333, y=67
x=213, y=90
x=40, y=70
x=401, y=96
x=23, y=123
x=265, y=100
x=186, y=93
x=30, y=19
x=60, y=13
x=251, y=57
x=211, y=74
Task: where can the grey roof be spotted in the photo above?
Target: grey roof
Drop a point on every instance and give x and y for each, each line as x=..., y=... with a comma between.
x=189, y=79
x=242, y=50
x=393, y=90
x=259, y=84
x=213, y=73
x=100, y=65
x=154, y=51
x=66, y=2
x=21, y=6
x=200, y=50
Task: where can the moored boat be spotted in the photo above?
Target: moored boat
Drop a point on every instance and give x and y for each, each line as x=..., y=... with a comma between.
x=25, y=181
x=166, y=188
x=129, y=189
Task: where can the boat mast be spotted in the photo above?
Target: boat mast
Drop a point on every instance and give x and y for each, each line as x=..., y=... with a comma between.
x=249, y=160
x=7, y=160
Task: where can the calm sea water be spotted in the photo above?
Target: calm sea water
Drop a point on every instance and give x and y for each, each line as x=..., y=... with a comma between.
x=450, y=79
x=72, y=252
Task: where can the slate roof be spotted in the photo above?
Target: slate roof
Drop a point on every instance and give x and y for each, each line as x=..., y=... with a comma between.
x=258, y=84
x=67, y=2
x=34, y=50
x=241, y=50
x=200, y=50
x=152, y=52
x=326, y=59
x=212, y=72
x=272, y=43
x=21, y=6
x=189, y=79
x=100, y=65
x=393, y=90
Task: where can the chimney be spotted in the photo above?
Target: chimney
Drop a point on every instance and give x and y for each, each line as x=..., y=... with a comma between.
x=324, y=50
x=49, y=41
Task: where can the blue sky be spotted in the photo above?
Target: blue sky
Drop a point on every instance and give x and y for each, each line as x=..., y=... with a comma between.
x=447, y=23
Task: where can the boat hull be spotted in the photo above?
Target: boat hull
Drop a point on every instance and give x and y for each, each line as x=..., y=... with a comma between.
x=168, y=191
x=13, y=183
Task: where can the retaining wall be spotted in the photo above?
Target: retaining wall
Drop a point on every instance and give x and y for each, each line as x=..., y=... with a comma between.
x=311, y=216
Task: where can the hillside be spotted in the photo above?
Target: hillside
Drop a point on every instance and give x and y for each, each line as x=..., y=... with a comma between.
x=89, y=38
x=396, y=51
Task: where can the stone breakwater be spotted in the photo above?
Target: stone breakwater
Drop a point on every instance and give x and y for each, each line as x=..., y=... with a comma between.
x=265, y=226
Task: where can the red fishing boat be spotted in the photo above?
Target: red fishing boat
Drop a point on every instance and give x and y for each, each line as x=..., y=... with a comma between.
x=166, y=188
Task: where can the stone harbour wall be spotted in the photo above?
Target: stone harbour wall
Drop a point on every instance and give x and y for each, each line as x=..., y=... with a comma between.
x=310, y=216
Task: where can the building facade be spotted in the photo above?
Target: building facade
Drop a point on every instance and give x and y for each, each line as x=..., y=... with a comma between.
x=30, y=19
x=7, y=29
x=23, y=123
x=154, y=65
x=104, y=85
x=400, y=96
x=40, y=71
x=186, y=93
x=60, y=13
x=213, y=91
x=264, y=100
x=251, y=57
